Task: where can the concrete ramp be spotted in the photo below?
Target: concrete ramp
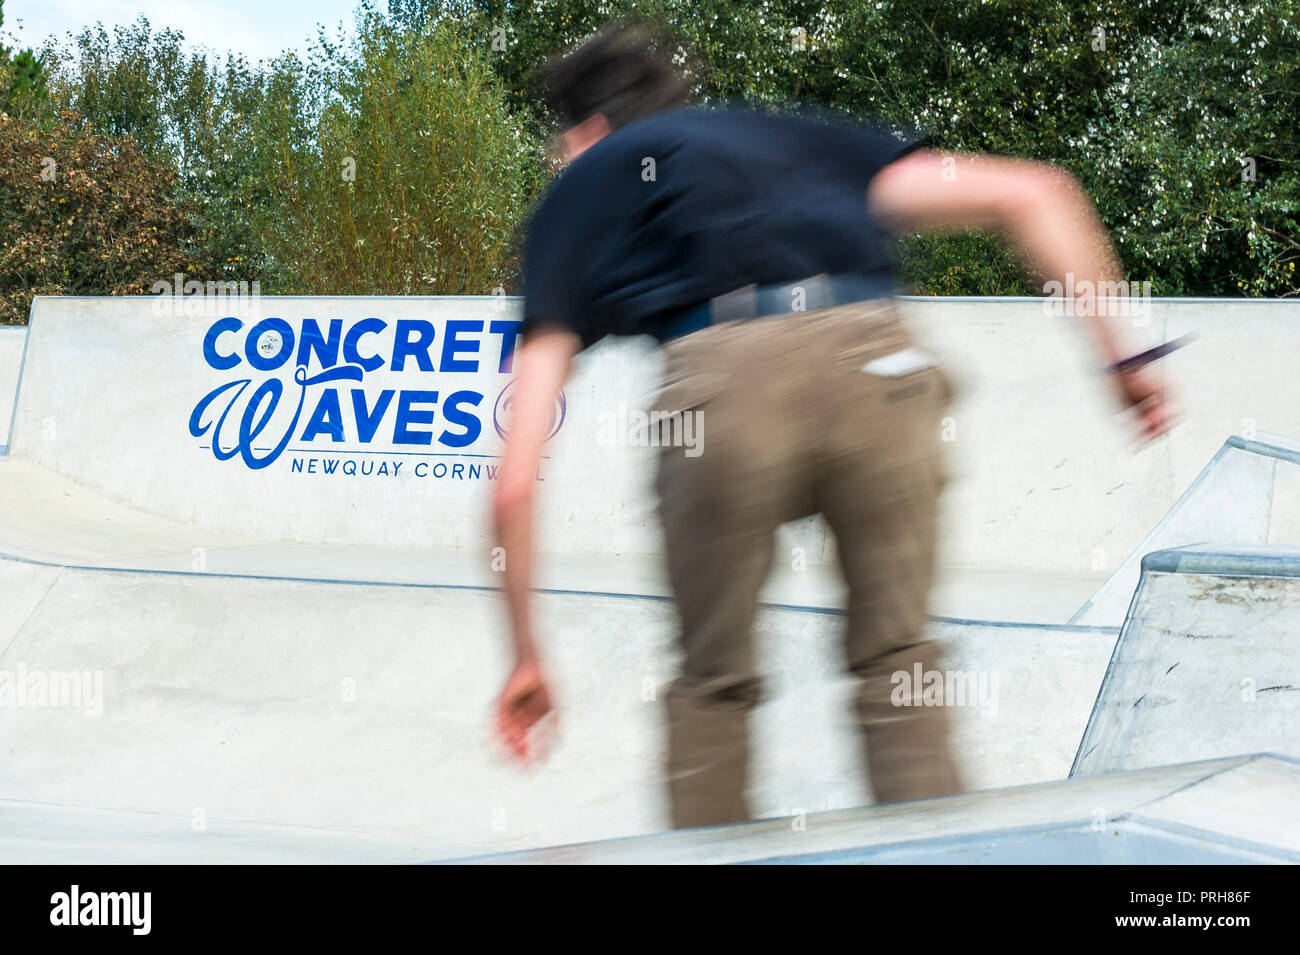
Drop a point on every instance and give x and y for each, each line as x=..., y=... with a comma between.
x=1208, y=662
x=357, y=707
x=250, y=614
x=1233, y=811
x=1229, y=811
x=1247, y=494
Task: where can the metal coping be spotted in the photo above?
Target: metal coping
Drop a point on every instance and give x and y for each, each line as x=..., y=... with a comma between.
x=1224, y=561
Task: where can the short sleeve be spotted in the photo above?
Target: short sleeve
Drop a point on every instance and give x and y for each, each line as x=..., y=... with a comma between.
x=862, y=150
x=877, y=148
x=556, y=287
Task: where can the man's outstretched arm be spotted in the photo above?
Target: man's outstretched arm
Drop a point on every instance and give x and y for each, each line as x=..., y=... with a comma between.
x=1047, y=216
x=541, y=366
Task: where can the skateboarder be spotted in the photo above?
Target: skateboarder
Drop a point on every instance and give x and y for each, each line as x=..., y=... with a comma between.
x=753, y=247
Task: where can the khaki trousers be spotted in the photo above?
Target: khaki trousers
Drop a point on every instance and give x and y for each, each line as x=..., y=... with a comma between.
x=792, y=425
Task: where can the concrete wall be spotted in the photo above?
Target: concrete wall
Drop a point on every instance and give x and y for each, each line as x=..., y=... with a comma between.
x=1044, y=475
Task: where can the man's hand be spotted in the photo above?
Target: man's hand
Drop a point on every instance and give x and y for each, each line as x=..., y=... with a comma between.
x=524, y=703
x=1139, y=390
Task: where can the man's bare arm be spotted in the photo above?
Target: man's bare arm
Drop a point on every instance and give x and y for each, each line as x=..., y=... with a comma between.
x=1046, y=215
x=541, y=366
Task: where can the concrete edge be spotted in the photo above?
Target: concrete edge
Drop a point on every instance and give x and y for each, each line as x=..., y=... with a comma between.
x=1223, y=561
x=18, y=385
x=1209, y=769
x=992, y=299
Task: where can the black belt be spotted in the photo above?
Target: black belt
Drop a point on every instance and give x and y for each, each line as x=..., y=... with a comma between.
x=761, y=301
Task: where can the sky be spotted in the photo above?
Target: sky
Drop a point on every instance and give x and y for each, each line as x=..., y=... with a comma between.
x=256, y=28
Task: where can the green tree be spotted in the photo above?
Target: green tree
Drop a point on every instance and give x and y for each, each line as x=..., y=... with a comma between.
x=1153, y=104
x=188, y=112
x=442, y=170
x=22, y=78
x=81, y=214
x=401, y=170
x=1178, y=116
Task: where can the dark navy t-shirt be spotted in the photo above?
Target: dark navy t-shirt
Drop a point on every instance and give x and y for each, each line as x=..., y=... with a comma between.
x=674, y=209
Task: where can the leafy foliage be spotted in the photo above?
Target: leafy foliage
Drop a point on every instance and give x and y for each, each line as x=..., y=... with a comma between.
x=1153, y=104
x=405, y=173
x=22, y=78
x=81, y=214
x=403, y=156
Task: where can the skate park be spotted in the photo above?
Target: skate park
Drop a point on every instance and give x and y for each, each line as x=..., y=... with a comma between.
x=280, y=620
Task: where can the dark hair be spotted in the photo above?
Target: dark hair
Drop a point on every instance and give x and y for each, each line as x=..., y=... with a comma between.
x=620, y=71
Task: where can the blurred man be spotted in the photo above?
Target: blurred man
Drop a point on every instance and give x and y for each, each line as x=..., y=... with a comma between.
x=754, y=248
